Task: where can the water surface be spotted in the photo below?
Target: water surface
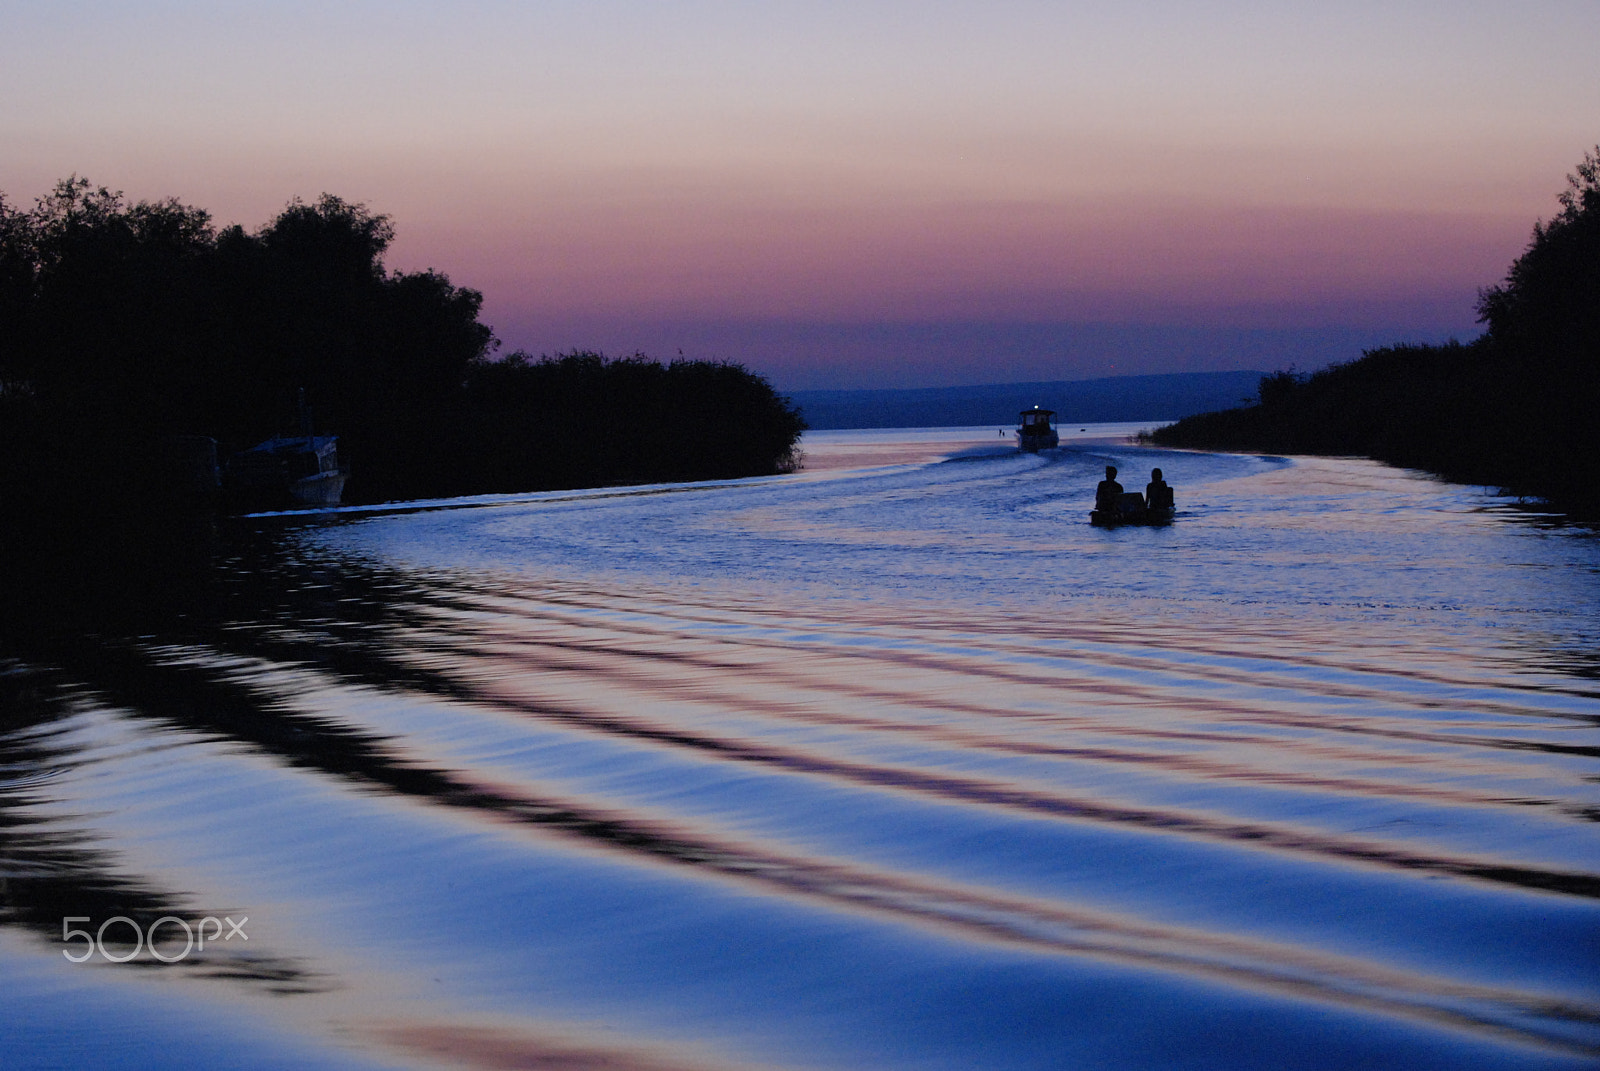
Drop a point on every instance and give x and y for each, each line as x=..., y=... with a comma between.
x=893, y=763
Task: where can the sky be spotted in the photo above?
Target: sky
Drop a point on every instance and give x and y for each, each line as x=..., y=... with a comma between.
x=866, y=194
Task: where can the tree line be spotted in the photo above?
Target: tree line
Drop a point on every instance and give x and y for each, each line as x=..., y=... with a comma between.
x=1517, y=408
x=125, y=325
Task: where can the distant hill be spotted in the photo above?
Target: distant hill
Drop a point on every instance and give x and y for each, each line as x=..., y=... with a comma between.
x=1163, y=398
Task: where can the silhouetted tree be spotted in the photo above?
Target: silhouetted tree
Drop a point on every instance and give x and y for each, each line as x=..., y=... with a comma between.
x=1551, y=296
x=582, y=419
x=1544, y=339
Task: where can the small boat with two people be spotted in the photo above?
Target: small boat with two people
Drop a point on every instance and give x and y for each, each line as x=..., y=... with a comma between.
x=1114, y=507
x=1036, y=430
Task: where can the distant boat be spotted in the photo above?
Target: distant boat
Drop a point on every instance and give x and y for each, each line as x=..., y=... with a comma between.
x=1131, y=509
x=1036, y=431
x=287, y=471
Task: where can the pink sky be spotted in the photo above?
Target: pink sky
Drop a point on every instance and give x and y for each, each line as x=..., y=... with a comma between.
x=853, y=195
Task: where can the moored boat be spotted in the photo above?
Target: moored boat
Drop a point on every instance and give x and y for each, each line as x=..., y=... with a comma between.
x=287, y=471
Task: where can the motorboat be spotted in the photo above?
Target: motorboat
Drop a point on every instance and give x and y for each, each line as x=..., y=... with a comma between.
x=1131, y=509
x=1036, y=430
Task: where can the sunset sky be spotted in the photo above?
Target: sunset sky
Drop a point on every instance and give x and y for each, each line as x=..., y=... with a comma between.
x=863, y=194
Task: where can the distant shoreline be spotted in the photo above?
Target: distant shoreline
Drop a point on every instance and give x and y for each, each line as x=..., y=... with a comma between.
x=1114, y=399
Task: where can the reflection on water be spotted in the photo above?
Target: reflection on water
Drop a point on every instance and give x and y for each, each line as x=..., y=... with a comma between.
x=905, y=766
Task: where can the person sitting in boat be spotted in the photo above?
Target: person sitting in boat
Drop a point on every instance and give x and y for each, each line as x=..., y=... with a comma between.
x=1157, y=493
x=1108, y=495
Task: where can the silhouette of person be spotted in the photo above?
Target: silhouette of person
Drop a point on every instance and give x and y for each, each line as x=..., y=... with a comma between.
x=1108, y=494
x=1157, y=493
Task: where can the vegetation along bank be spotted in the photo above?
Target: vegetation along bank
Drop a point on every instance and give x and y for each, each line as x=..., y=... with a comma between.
x=126, y=326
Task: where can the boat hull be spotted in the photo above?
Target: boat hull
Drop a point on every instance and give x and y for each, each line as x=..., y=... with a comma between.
x=1032, y=444
x=324, y=489
x=1113, y=519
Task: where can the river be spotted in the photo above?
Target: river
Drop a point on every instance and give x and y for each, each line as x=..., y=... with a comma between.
x=892, y=763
